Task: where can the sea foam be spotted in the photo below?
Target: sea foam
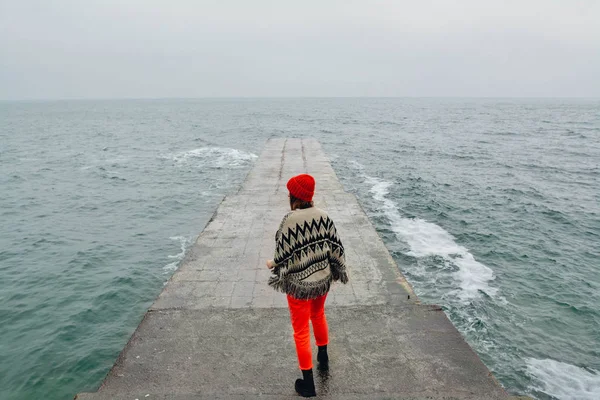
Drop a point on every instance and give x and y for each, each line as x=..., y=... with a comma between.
x=184, y=243
x=216, y=157
x=564, y=381
x=428, y=239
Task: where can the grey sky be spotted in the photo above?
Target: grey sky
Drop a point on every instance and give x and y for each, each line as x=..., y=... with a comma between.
x=195, y=48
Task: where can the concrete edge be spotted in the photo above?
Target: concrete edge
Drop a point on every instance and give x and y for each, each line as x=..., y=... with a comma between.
x=401, y=279
x=414, y=307
x=186, y=258
x=212, y=396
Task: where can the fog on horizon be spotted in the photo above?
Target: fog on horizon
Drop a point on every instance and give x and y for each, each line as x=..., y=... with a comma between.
x=153, y=49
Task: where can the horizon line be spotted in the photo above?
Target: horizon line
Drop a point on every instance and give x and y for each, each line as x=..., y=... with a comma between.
x=60, y=99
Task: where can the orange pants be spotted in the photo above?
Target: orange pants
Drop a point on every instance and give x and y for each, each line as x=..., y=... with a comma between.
x=301, y=311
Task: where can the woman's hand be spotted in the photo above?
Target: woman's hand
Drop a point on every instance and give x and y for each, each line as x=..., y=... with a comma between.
x=270, y=264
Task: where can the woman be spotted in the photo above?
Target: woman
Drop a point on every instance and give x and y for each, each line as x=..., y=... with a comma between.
x=309, y=256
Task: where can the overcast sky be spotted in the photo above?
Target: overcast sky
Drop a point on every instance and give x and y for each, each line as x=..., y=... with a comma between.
x=195, y=48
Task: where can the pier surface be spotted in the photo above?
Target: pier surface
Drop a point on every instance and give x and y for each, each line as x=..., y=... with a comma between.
x=217, y=331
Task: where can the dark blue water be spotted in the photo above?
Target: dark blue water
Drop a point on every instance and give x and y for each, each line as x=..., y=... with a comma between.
x=490, y=207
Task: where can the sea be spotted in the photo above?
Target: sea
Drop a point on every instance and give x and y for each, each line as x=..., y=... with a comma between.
x=490, y=207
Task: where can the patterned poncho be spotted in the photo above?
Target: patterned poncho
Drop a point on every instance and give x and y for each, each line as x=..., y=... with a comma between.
x=309, y=255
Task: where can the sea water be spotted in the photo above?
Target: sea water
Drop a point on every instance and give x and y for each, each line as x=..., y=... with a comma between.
x=490, y=207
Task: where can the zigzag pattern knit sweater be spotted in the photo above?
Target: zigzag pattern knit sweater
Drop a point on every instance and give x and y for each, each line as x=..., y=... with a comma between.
x=309, y=254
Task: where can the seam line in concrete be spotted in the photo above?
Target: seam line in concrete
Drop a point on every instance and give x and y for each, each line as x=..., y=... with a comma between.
x=281, y=166
x=304, y=156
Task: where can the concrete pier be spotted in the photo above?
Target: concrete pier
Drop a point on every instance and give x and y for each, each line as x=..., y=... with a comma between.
x=217, y=331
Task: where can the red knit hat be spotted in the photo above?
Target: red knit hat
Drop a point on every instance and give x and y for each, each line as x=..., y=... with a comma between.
x=302, y=187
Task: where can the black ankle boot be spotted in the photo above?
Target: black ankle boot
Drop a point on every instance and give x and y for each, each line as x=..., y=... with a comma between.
x=323, y=358
x=306, y=386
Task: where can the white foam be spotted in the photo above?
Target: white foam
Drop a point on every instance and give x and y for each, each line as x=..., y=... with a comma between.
x=427, y=239
x=564, y=381
x=218, y=157
x=184, y=242
x=356, y=165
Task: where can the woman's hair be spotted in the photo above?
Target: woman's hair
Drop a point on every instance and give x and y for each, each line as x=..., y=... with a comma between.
x=297, y=203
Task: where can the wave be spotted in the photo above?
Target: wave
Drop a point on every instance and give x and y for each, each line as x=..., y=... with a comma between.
x=213, y=157
x=564, y=381
x=502, y=133
x=427, y=239
x=390, y=123
x=184, y=243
